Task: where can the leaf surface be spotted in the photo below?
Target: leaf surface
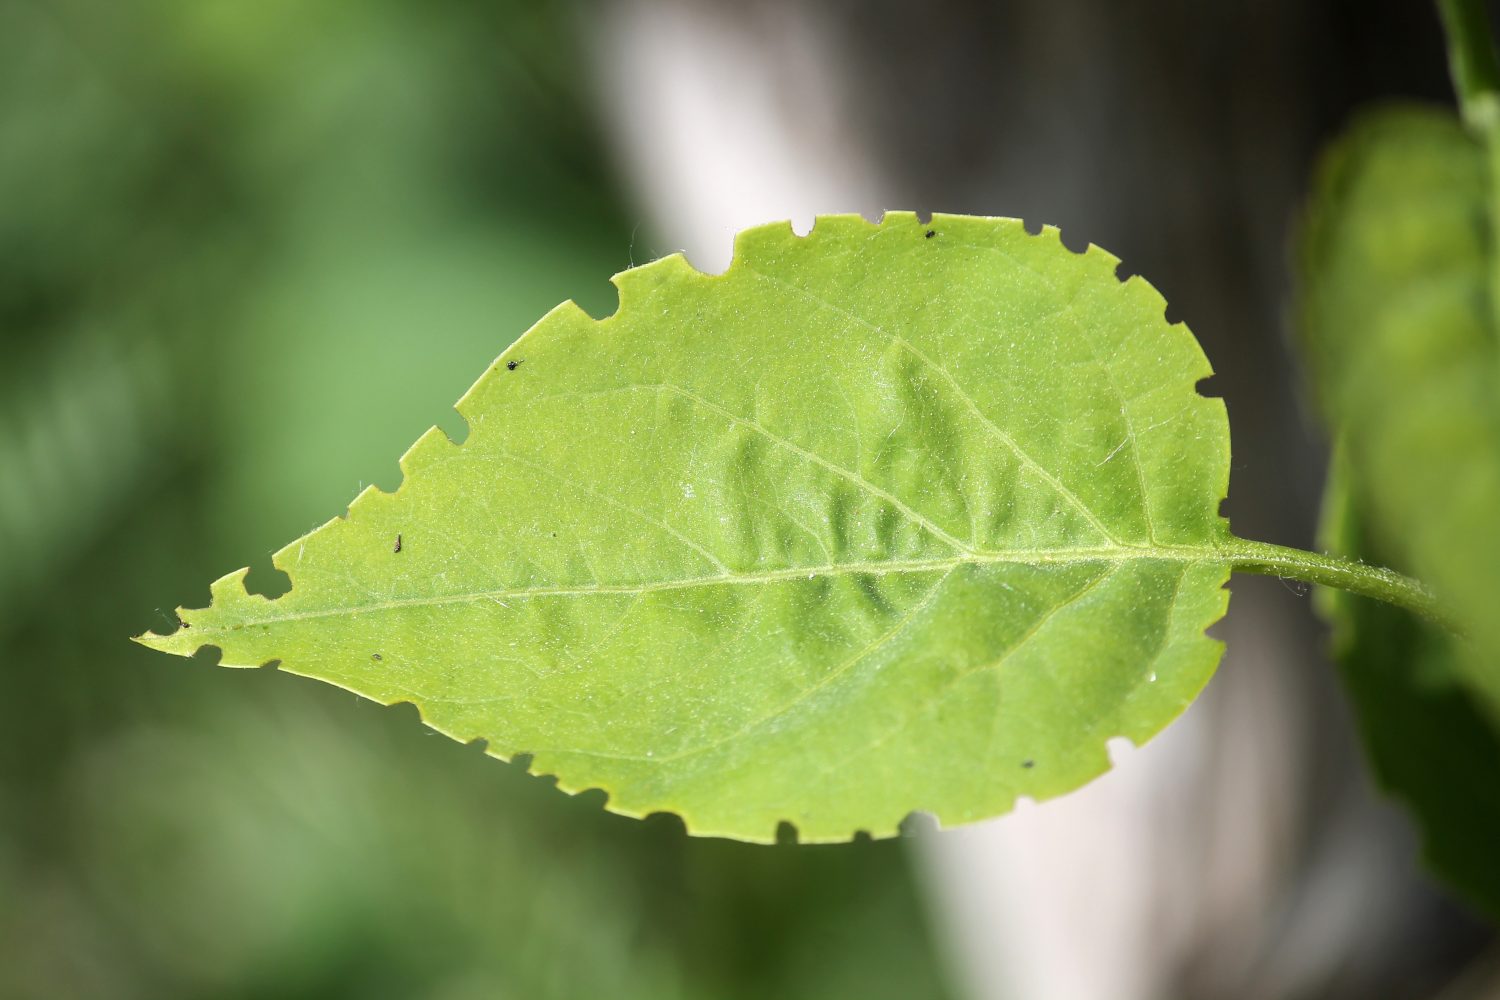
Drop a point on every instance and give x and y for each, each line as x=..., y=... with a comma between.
x=895, y=517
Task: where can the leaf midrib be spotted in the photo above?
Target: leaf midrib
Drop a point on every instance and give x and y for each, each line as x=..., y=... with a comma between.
x=1207, y=552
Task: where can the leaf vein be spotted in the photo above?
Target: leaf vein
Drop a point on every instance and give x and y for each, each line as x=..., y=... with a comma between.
x=1025, y=457
x=947, y=689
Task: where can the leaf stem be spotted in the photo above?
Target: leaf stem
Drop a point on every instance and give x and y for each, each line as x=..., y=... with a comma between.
x=1471, y=59
x=1266, y=559
x=1475, y=68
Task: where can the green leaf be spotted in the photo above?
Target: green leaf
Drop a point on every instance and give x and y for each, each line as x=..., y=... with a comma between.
x=1398, y=319
x=896, y=517
x=1427, y=740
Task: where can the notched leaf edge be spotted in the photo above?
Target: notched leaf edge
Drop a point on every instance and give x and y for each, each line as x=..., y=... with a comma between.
x=633, y=285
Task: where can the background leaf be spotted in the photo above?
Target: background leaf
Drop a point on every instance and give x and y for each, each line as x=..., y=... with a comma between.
x=1397, y=317
x=891, y=518
x=1397, y=254
x=1429, y=743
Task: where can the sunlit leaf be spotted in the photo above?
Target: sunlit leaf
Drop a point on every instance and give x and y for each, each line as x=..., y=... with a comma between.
x=914, y=516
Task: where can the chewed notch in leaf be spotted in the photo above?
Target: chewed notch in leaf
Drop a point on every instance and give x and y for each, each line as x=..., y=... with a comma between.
x=895, y=517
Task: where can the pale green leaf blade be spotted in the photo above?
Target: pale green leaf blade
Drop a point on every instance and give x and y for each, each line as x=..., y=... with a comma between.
x=888, y=518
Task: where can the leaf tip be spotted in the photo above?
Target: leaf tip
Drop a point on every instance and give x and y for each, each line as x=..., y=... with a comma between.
x=181, y=642
x=150, y=640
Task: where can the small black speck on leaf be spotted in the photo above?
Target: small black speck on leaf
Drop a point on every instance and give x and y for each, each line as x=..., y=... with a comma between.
x=397, y=547
x=1028, y=763
x=376, y=656
x=513, y=365
x=931, y=233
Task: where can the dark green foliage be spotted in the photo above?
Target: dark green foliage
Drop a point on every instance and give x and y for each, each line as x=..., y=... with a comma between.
x=1428, y=742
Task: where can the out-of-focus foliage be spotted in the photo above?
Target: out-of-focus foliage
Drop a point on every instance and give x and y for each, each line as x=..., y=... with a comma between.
x=230, y=231
x=885, y=518
x=1428, y=742
x=1397, y=317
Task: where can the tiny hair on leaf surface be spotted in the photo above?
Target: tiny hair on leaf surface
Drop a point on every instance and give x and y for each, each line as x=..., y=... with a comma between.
x=872, y=523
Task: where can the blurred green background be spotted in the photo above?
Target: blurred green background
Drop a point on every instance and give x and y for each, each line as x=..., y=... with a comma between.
x=248, y=253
